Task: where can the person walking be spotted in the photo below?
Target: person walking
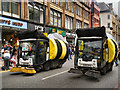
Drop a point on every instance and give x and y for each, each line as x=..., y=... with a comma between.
x=69, y=52
x=14, y=57
x=6, y=59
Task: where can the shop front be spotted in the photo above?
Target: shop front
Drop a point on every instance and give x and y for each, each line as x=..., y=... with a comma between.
x=70, y=37
x=9, y=27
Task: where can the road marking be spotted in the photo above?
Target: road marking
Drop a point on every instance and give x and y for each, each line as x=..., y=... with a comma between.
x=54, y=75
x=4, y=71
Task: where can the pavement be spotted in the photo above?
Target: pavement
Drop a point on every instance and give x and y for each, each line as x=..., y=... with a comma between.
x=59, y=78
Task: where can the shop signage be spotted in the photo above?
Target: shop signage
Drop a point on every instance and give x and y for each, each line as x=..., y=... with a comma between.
x=55, y=30
x=12, y=23
x=38, y=28
x=70, y=35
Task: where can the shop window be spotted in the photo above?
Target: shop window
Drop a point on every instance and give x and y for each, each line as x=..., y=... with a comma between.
x=35, y=12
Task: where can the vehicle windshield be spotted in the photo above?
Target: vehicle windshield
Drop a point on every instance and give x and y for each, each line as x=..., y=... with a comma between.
x=89, y=49
x=27, y=49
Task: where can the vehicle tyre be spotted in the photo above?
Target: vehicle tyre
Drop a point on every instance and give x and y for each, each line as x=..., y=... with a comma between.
x=59, y=65
x=46, y=67
x=111, y=67
x=37, y=69
x=103, y=71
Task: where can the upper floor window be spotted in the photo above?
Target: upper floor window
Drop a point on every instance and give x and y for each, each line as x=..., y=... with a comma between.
x=69, y=6
x=6, y=6
x=78, y=10
x=11, y=9
x=35, y=12
x=108, y=25
x=78, y=24
x=68, y=22
x=55, y=18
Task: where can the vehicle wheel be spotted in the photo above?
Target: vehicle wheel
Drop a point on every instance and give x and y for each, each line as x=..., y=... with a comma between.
x=111, y=67
x=103, y=71
x=37, y=69
x=59, y=65
x=46, y=67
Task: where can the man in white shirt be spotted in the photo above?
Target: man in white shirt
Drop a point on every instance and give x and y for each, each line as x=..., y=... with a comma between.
x=6, y=59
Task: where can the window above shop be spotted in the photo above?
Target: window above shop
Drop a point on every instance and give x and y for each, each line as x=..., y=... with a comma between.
x=55, y=18
x=11, y=9
x=78, y=11
x=35, y=12
x=68, y=22
x=78, y=24
x=69, y=5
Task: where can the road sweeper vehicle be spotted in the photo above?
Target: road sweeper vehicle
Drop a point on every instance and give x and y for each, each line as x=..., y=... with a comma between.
x=37, y=52
x=95, y=52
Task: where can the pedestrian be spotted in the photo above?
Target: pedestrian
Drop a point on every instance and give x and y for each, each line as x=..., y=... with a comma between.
x=6, y=59
x=72, y=51
x=14, y=58
x=5, y=47
x=116, y=62
x=69, y=52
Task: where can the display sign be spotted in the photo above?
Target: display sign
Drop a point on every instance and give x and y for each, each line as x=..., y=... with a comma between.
x=12, y=23
x=55, y=30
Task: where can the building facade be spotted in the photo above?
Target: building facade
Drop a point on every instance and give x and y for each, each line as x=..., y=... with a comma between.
x=109, y=20
x=61, y=17
x=96, y=17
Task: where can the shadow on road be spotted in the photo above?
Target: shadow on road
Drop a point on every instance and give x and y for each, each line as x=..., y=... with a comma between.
x=17, y=73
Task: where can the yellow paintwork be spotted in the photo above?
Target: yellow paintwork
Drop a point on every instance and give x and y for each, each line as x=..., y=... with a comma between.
x=111, y=50
x=53, y=48
x=81, y=47
x=16, y=69
x=46, y=34
x=104, y=52
x=29, y=71
x=64, y=48
x=117, y=49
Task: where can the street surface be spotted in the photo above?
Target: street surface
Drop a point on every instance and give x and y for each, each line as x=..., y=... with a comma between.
x=58, y=78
